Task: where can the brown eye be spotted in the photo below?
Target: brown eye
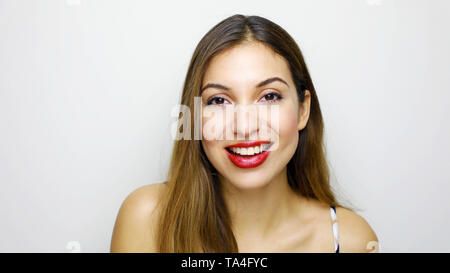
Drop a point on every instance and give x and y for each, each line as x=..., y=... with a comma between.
x=215, y=100
x=272, y=97
x=269, y=96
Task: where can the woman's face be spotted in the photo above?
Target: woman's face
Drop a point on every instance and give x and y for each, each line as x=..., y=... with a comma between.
x=240, y=70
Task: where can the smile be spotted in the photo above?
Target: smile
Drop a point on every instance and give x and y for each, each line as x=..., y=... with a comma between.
x=248, y=154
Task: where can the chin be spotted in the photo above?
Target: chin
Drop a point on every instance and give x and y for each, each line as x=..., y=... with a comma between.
x=247, y=180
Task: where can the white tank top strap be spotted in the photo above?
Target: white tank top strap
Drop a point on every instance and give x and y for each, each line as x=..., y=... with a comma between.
x=335, y=228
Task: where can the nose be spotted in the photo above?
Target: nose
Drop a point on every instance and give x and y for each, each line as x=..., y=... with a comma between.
x=246, y=123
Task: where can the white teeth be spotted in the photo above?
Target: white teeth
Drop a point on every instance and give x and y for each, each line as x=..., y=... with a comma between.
x=250, y=150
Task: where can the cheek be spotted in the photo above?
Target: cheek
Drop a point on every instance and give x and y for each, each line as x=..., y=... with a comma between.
x=212, y=152
x=211, y=127
x=288, y=128
x=213, y=123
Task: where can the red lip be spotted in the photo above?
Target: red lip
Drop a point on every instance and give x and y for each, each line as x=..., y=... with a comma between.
x=248, y=161
x=248, y=144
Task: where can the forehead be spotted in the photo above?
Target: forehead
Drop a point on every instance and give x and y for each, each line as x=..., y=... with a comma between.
x=245, y=64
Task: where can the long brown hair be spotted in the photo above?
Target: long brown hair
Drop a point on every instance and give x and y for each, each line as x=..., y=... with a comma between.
x=193, y=216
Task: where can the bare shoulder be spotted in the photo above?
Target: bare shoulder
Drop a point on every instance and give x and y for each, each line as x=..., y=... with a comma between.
x=355, y=233
x=136, y=220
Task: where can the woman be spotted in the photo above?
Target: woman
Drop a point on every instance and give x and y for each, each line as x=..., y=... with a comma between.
x=247, y=193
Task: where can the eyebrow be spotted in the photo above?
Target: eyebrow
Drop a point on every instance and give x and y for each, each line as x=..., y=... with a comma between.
x=265, y=82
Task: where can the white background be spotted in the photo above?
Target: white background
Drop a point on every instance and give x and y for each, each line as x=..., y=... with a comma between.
x=87, y=87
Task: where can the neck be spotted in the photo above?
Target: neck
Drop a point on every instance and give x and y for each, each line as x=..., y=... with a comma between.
x=258, y=213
